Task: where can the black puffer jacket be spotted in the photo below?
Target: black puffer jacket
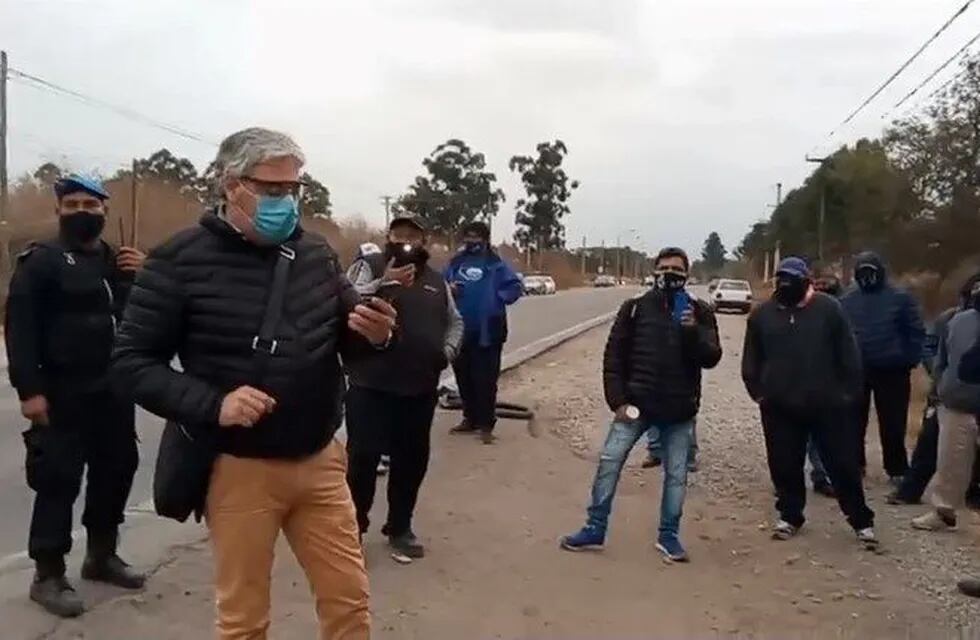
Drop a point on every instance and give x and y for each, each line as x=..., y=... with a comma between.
x=655, y=364
x=202, y=296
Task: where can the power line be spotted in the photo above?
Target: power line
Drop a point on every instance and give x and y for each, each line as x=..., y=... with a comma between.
x=904, y=66
x=936, y=72
x=40, y=83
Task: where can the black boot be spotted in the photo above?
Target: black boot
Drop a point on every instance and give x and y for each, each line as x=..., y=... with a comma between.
x=52, y=590
x=103, y=565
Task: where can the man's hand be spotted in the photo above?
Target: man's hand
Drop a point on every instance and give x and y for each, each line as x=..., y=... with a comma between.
x=404, y=275
x=35, y=409
x=622, y=413
x=688, y=318
x=374, y=319
x=245, y=406
x=130, y=259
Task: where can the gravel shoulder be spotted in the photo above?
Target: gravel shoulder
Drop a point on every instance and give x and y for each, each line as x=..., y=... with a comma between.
x=491, y=517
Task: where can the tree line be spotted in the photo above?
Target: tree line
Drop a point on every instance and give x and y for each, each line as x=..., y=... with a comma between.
x=913, y=194
x=455, y=188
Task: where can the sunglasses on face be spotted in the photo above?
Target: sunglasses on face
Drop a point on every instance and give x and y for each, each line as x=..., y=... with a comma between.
x=275, y=188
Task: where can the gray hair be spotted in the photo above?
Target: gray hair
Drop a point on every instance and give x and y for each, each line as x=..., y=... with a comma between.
x=241, y=151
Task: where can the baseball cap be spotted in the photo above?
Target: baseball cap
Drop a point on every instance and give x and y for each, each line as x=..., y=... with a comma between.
x=794, y=266
x=408, y=217
x=78, y=182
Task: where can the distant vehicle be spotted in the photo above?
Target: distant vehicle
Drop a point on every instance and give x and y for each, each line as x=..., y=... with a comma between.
x=604, y=281
x=731, y=294
x=539, y=285
x=693, y=281
x=649, y=281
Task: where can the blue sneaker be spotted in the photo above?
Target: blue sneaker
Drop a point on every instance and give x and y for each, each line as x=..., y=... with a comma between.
x=672, y=549
x=587, y=539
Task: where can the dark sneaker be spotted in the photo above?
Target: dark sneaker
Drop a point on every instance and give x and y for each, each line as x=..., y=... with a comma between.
x=898, y=498
x=652, y=462
x=783, y=530
x=973, y=500
x=868, y=538
x=112, y=570
x=587, y=539
x=672, y=549
x=57, y=596
x=825, y=489
x=407, y=545
x=969, y=587
x=487, y=437
x=896, y=482
x=384, y=465
x=464, y=427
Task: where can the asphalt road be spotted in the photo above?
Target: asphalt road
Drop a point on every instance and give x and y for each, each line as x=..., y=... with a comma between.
x=531, y=319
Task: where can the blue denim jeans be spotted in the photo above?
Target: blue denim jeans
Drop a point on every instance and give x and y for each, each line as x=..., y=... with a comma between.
x=653, y=442
x=676, y=443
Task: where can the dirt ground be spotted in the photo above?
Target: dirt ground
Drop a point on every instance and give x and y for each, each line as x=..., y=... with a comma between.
x=491, y=517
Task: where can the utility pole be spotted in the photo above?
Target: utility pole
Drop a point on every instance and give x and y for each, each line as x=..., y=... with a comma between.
x=823, y=206
x=134, y=203
x=583, y=255
x=3, y=138
x=619, y=260
x=387, y=202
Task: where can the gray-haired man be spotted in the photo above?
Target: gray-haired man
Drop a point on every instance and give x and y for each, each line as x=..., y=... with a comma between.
x=272, y=402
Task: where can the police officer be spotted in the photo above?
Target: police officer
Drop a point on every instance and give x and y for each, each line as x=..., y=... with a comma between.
x=66, y=296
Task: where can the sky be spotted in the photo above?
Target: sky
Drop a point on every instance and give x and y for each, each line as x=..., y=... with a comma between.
x=680, y=116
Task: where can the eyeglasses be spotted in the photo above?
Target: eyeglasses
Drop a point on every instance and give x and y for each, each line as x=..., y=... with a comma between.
x=276, y=188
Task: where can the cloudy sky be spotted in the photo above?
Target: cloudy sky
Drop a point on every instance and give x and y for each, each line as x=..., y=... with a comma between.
x=680, y=115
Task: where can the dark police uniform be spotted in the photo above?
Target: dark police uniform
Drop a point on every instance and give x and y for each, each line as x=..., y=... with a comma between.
x=62, y=312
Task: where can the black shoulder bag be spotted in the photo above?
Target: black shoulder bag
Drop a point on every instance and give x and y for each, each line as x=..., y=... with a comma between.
x=186, y=456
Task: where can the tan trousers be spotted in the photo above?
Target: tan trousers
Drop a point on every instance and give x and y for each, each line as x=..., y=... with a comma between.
x=249, y=501
x=954, y=466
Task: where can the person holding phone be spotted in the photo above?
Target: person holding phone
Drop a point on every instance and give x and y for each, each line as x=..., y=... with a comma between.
x=273, y=405
x=801, y=365
x=651, y=371
x=392, y=395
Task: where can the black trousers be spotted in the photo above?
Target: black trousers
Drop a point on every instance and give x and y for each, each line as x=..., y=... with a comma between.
x=787, y=432
x=890, y=389
x=924, y=456
x=380, y=422
x=97, y=431
x=477, y=371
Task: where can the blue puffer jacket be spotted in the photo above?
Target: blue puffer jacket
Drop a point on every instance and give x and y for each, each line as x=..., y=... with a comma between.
x=886, y=322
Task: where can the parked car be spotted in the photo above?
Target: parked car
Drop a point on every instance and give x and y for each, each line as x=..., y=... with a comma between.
x=649, y=281
x=604, y=281
x=539, y=285
x=731, y=294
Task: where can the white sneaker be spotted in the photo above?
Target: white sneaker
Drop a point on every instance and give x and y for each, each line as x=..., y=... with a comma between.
x=783, y=530
x=868, y=538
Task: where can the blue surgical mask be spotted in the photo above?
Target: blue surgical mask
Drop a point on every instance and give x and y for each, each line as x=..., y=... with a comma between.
x=276, y=218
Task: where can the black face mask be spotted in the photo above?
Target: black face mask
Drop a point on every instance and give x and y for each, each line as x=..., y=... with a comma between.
x=81, y=226
x=790, y=290
x=670, y=281
x=404, y=253
x=868, y=279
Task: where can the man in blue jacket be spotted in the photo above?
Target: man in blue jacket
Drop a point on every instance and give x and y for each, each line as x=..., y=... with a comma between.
x=483, y=285
x=890, y=334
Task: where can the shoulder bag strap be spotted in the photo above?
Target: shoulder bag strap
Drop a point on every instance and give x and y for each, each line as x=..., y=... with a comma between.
x=265, y=345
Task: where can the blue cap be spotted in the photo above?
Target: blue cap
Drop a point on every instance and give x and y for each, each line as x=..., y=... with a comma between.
x=76, y=182
x=794, y=266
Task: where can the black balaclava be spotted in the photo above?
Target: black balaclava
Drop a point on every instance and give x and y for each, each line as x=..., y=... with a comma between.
x=790, y=289
x=869, y=272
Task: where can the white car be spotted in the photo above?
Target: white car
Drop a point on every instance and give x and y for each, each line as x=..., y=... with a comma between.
x=649, y=281
x=731, y=294
x=539, y=285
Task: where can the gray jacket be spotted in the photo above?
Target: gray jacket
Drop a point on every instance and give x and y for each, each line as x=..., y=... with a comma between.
x=961, y=334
